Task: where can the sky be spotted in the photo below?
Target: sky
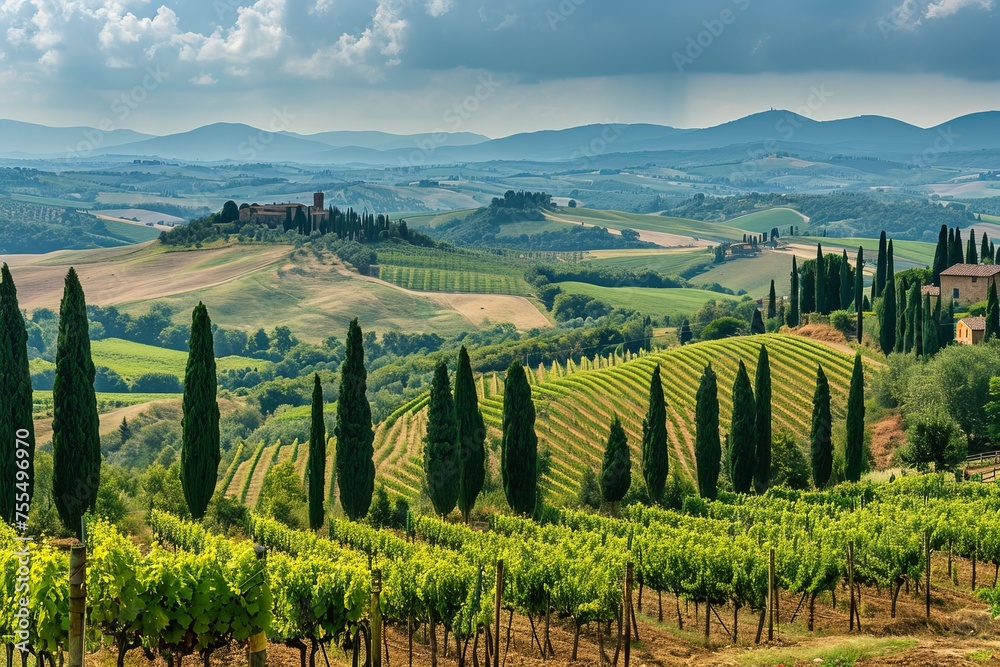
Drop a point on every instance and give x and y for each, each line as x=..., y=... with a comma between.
x=494, y=67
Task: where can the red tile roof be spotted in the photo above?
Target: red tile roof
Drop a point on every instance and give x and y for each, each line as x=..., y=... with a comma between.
x=970, y=270
x=974, y=323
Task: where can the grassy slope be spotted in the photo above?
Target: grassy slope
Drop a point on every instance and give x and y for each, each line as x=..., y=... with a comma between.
x=130, y=360
x=574, y=409
x=695, y=229
x=764, y=221
x=666, y=262
x=649, y=301
x=911, y=252
x=753, y=275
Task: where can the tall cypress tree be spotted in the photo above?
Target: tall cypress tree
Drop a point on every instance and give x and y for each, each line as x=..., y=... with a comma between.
x=929, y=335
x=655, y=461
x=970, y=252
x=918, y=321
x=316, y=465
x=707, y=447
x=772, y=302
x=992, y=314
x=519, y=447
x=855, y=444
x=819, y=271
x=353, y=430
x=887, y=323
x=441, y=463
x=807, y=303
x=821, y=444
x=859, y=282
x=913, y=320
x=949, y=331
x=902, y=313
x=834, y=282
x=940, y=256
x=200, y=425
x=16, y=425
x=984, y=249
x=846, y=284
x=743, y=434
x=762, y=396
x=956, y=251
x=793, y=311
x=616, y=468
x=880, y=267
x=757, y=323
x=76, y=437
x=471, y=436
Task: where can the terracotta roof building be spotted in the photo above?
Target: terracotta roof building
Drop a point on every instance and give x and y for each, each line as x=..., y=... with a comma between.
x=970, y=330
x=968, y=283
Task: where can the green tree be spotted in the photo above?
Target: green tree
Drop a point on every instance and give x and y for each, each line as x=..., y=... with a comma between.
x=940, y=256
x=743, y=433
x=441, y=464
x=616, y=469
x=970, y=252
x=984, y=249
x=881, y=268
x=992, y=314
x=772, y=302
x=707, y=446
x=282, y=497
x=930, y=329
x=834, y=282
x=655, y=461
x=956, y=248
x=685, y=333
x=887, y=318
x=820, y=277
x=519, y=447
x=200, y=424
x=762, y=394
x=793, y=311
x=807, y=302
x=821, y=444
x=16, y=423
x=316, y=465
x=471, y=436
x=933, y=438
x=854, y=446
x=846, y=284
x=76, y=436
x=757, y=323
x=859, y=282
x=902, y=313
x=353, y=430
x=124, y=431
x=913, y=320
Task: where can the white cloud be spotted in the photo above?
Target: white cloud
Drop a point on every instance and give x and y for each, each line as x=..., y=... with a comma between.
x=439, y=7
x=940, y=9
x=204, y=79
x=259, y=33
x=321, y=7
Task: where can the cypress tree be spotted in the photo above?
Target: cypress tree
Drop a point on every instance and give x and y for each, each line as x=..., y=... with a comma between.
x=901, y=318
x=949, y=331
x=441, y=464
x=984, y=249
x=16, y=425
x=929, y=335
x=970, y=252
x=957, y=255
x=519, y=447
x=743, y=434
x=992, y=314
x=940, y=323
x=762, y=395
x=793, y=311
x=913, y=320
x=833, y=283
x=993, y=253
x=772, y=302
x=951, y=249
x=881, y=267
x=76, y=438
x=859, y=282
x=757, y=323
x=200, y=424
x=616, y=469
x=807, y=304
x=846, y=284
x=918, y=321
x=887, y=325
x=685, y=334
x=855, y=444
x=353, y=430
x=316, y=465
x=655, y=462
x=940, y=256
x=471, y=436
x=819, y=271
x=707, y=448
x=821, y=445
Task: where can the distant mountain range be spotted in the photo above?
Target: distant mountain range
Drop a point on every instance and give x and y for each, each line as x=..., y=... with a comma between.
x=775, y=130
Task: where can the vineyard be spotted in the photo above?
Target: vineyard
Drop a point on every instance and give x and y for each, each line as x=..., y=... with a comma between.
x=193, y=592
x=575, y=404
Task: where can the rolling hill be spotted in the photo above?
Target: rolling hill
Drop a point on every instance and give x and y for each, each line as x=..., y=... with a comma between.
x=575, y=405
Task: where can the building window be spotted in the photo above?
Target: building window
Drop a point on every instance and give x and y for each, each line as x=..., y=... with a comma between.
x=974, y=279
x=954, y=293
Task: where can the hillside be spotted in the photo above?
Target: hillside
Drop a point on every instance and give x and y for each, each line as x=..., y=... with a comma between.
x=575, y=405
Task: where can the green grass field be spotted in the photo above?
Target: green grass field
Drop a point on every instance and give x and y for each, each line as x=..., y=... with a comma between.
x=764, y=221
x=130, y=232
x=916, y=253
x=130, y=360
x=665, y=262
x=106, y=402
x=694, y=229
x=752, y=275
x=647, y=300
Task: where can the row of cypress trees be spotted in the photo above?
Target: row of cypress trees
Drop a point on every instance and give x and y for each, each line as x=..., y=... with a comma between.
x=949, y=251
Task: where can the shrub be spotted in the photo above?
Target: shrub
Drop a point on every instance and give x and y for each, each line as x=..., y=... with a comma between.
x=843, y=321
x=723, y=327
x=157, y=383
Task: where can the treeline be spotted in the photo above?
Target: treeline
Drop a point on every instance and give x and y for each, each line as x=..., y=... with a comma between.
x=601, y=275
x=59, y=229
x=522, y=200
x=838, y=214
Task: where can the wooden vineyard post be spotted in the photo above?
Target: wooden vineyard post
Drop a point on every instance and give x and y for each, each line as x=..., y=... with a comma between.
x=850, y=583
x=974, y=554
x=626, y=607
x=927, y=581
x=770, y=596
x=77, y=603
x=496, y=614
x=258, y=640
x=376, y=617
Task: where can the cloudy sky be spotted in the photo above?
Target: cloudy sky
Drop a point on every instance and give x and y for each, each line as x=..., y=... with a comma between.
x=490, y=66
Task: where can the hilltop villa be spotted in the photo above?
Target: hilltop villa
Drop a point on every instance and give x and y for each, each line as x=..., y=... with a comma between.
x=277, y=215
x=968, y=283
